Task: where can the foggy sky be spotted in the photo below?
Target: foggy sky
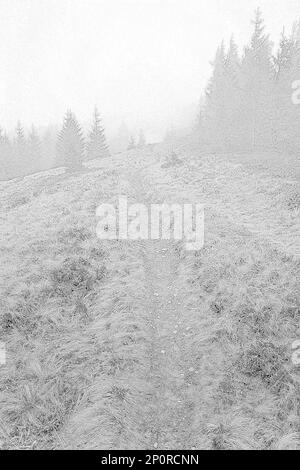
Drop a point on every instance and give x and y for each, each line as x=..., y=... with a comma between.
x=142, y=61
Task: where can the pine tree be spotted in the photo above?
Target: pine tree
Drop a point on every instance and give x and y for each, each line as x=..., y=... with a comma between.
x=20, y=152
x=214, y=107
x=48, y=144
x=231, y=98
x=70, y=143
x=283, y=58
x=97, y=146
x=142, y=140
x=3, y=137
x=257, y=75
x=6, y=157
x=34, y=149
x=131, y=143
x=20, y=141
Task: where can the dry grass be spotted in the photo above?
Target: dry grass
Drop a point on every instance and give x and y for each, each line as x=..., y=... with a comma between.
x=118, y=345
x=53, y=269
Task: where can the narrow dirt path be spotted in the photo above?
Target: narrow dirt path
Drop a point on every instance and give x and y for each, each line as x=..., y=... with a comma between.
x=170, y=411
x=168, y=416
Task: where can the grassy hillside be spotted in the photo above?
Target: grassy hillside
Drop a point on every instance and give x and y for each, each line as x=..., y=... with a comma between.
x=122, y=344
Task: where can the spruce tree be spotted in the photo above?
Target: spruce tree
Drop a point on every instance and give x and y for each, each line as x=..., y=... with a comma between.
x=20, y=154
x=231, y=98
x=257, y=88
x=97, y=146
x=70, y=143
x=48, y=144
x=142, y=140
x=7, y=169
x=214, y=106
x=20, y=141
x=34, y=149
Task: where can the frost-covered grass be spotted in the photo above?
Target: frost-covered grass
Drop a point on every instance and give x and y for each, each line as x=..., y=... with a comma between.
x=135, y=345
x=249, y=309
x=242, y=304
x=52, y=270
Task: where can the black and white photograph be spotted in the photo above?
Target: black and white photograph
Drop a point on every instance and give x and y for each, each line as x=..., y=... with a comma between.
x=149, y=228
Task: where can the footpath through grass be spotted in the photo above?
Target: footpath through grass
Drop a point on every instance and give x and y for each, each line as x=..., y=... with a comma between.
x=140, y=344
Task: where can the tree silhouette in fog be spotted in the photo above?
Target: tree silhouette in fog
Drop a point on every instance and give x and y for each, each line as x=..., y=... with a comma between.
x=97, y=146
x=20, y=141
x=6, y=156
x=70, y=143
x=34, y=148
x=142, y=139
x=248, y=103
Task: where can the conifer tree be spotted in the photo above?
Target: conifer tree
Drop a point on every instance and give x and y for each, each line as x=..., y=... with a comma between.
x=142, y=139
x=257, y=88
x=20, y=152
x=231, y=98
x=20, y=141
x=97, y=146
x=6, y=157
x=70, y=143
x=131, y=143
x=214, y=107
x=34, y=149
x=48, y=146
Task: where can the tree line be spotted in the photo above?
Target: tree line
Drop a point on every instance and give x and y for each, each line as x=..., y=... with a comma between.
x=24, y=155
x=248, y=102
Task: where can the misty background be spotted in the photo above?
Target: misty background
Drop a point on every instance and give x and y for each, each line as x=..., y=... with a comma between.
x=80, y=80
x=144, y=63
